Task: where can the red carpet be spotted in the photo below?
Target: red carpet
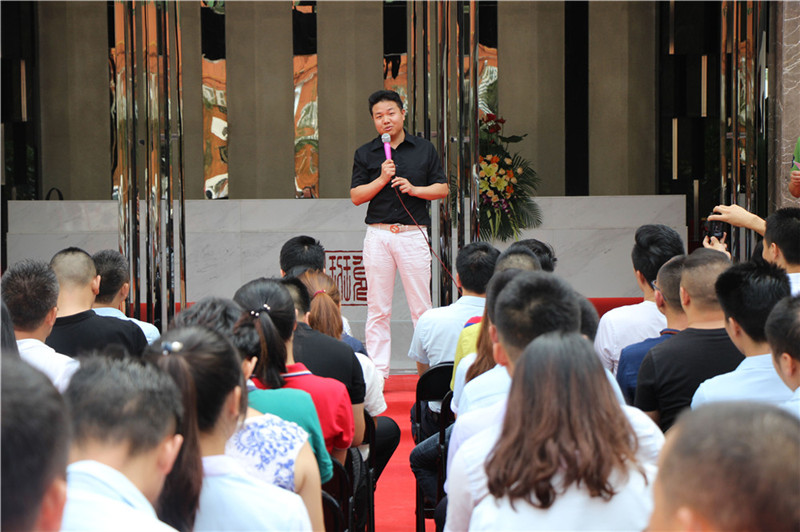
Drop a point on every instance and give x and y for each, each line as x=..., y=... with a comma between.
x=394, y=498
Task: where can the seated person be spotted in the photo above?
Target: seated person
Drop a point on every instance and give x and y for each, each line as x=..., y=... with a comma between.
x=668, y=301
x=623, y=326
x=125, y=418
x=207, y=369
x=747, y=293
x=671, y=371
x=565, y=456
x=272, y=303
x=272, y=449
x=703, y=484
x=78, y=328
x=34, y=448
x=30, y=291
x=115, y=284
x=783, y=334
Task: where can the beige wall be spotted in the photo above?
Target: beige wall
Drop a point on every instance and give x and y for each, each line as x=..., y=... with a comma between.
x=622, y=98
x=75, y=99
x=531, y=85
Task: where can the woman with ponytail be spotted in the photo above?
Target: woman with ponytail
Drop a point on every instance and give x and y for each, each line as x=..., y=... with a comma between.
x=325, y=316
x=271, y=303
x=205, y=488
x=274, y=450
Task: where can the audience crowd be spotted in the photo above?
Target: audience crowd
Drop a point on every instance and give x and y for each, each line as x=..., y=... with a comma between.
x=681, y=412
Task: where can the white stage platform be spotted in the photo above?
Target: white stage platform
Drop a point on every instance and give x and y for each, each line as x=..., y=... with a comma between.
x=230, y=242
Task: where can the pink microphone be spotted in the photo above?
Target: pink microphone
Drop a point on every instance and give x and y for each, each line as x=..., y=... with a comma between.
x=387, y=148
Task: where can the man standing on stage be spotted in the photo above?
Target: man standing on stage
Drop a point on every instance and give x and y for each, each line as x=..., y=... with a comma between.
x=398, y=189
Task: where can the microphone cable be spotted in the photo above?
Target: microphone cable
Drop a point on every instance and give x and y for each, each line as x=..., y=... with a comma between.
x=427, y=240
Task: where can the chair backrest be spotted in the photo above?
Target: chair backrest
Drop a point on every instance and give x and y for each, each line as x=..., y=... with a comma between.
x=340, y=486
x=369, y=437
x=332, y=514
x=434, y=384
x=446, y=416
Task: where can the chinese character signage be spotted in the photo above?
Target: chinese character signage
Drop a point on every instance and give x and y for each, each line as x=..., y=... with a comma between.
x=347, y=269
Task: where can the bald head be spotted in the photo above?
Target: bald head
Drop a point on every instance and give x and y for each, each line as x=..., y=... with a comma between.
x=73, y=267
x=732, y=466
x=698, y=275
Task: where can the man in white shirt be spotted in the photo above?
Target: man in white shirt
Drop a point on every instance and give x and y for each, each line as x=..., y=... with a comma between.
x=436, y=334
x=30, y=291
x=124, y=420
x=783, y=334
x=529, y=305
x=747, y=292
x=729, y=466
x=115, y=284
x=35, y=447
x=623, y=326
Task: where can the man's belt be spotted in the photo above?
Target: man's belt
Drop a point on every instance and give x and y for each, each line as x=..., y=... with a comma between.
x=398, y=228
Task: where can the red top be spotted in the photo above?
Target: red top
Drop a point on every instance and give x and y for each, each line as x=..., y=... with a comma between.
x=331, y=401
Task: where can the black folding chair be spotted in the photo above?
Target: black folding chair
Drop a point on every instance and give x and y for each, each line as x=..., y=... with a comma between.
x=340, y=487
x=369, y=439
x=433, y=385
x=332, y=514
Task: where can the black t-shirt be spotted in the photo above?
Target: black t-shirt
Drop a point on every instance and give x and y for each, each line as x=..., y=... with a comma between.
x=86, y=331
x=415, y=159
x=328, y=357
x=671, y=372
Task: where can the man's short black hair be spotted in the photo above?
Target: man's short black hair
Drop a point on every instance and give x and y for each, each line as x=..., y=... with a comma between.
x=735, y=464
x=532, y=304
x=654, y=245
x=223, y=316
x=517, y=258
x=35, y=442
x=669, y=281
x=302, y=251
x=30, y=290
x=113, y=271
x=299, y=293
x=384, y=96
x=783, y=327
x=699, y=274
x=543, y=251
x=747, y=292
x=475, y=265
x=783, y=230
x=590, y=319
x=123, y=401
x=73, y=266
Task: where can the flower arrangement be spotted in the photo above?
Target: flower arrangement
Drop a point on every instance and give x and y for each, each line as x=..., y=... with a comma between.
x=506, y=185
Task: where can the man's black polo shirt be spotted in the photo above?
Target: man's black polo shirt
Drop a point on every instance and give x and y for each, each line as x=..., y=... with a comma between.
x=86, y=331
x=415, y=159
x=328, y=357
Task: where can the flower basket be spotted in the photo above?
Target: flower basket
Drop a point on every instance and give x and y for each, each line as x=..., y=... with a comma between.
x=506, y=185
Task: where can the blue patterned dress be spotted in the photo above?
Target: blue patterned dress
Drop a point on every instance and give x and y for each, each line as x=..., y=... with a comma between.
x=267, y=447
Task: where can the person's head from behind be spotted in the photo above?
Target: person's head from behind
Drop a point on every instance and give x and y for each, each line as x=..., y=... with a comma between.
x=590, y=319
x=75, y=269
x=782, y=238
x=30, y=290
x=747, y=292
x=517, y=258
x=729, y=466
x=227, y=318
x=532, y=304
x=301, y=252
x=543, y=251
x=563, y=420
x=114, y=275
x=207, y=370
x=668, y=285
x=700, y=271
x=654, y=245
x=783, y=333
x=8, y=340
x=474, y=266
x=325, y=313
x=270, y=305
x=35, y=447
x=128, y=410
